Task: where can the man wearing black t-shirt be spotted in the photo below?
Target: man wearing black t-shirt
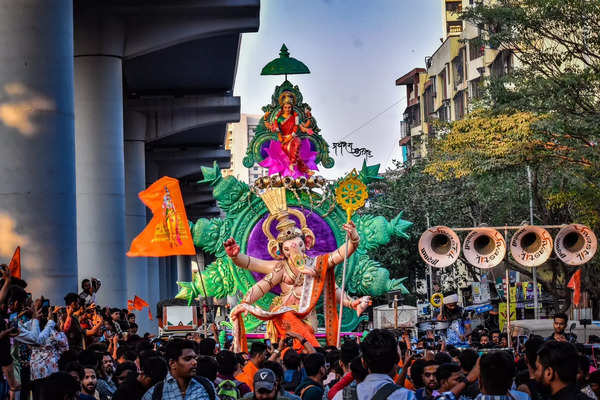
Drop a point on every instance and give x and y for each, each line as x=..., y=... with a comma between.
x=72, y=328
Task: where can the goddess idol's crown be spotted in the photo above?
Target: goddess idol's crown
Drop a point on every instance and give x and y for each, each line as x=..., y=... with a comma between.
x=274, y=199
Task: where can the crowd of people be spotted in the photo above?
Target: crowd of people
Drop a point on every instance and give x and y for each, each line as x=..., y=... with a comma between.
x=78, y=350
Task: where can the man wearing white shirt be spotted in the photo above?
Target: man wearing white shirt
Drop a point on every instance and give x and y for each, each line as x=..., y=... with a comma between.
x=380, y=357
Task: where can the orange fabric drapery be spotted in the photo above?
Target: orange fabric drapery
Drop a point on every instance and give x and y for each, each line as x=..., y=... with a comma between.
x=293, y=320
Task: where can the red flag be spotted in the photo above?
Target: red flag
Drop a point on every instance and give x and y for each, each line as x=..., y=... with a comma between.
x=149, y=314
x=575, y=284
x=15, y=264
x=130, y=305
x=168, y=233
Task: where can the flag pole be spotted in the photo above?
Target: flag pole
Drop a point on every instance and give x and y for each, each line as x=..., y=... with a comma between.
x=203, y=288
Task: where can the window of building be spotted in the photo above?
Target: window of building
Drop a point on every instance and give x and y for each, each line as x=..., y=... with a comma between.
x=429, y=96
x=475, y=89
x=459, y=106
x=444, y=84
x=413, y=115
x=502, y=65
x=443, y=113
x=458, y=70
x=454, y=6
x=476, y=48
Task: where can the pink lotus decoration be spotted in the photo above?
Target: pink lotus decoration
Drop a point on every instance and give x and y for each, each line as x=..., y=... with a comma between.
x=279, y=163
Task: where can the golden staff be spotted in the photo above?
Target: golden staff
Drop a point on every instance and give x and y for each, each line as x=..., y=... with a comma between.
x=351, y=194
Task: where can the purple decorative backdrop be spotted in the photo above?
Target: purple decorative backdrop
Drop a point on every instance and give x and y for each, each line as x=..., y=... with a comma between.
x=257, y=241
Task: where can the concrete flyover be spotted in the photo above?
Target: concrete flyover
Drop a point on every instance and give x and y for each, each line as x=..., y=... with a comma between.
x=153, y=94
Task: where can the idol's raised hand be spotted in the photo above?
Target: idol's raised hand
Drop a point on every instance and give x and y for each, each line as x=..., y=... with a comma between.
x=231, y=248
x=350, y=228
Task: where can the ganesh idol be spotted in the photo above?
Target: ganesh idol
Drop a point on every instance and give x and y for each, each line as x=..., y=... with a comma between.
x=302, y=279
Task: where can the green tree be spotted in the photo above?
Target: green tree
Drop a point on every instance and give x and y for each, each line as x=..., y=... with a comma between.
x=544, y=113
x=467, y=201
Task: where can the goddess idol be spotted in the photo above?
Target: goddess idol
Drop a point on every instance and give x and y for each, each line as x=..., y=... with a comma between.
x=302, y=278
x=290, y=155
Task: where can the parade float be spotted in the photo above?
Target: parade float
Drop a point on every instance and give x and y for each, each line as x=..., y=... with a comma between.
x=293, y=201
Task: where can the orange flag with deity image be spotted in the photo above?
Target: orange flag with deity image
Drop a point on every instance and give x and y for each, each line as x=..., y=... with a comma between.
x=168, y=233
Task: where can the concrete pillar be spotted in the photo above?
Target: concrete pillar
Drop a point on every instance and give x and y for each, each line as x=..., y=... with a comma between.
x=184, y=269
x=37, y=159
x=173, y=276
x=135, y=210
x=99, y=155
x=154, y=277
x=163, y=277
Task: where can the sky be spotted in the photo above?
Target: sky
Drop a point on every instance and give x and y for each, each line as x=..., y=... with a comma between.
x=355, y=50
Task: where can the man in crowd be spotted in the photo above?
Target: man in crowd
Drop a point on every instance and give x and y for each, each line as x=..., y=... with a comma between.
x=228, y=365
x=153, y=371
x=449, y=375
x=88, y=384
x=429, y=390
x=278, y=370
x=257, y=356
x=72, y=327
x=594, y=381
x=484, y=340
x=556, y=370
x=497, y=370
x=265, y=386
x=460, y=325
x=292, y=375
x=311, y=388
x=468, y=359
x=349, y=351
x=125, y=371
x=530, y=386
x=88, y=294
x=115, y=316
x=180, y=382
x=496, y=338
x=560, y=324
x=106, y=386
x=380, y=356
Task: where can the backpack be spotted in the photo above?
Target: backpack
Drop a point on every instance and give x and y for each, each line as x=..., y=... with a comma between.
x=227, y=390
x=349, y=393
x=158, y=388
x=385, y=391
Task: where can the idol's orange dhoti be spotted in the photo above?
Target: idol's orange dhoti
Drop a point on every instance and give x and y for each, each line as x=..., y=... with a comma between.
x=287, y=319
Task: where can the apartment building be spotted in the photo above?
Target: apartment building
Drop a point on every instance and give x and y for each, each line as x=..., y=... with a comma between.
x=451, y=80
x=239, y=134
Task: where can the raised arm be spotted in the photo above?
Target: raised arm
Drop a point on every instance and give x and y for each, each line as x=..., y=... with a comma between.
x=246, y=262
x=337, y=257
x=262, y=287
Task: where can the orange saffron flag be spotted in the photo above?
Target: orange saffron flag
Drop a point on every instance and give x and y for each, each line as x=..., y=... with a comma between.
x=15, y=264
x=138, y=304
x=168, y=233
x=575, y=284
